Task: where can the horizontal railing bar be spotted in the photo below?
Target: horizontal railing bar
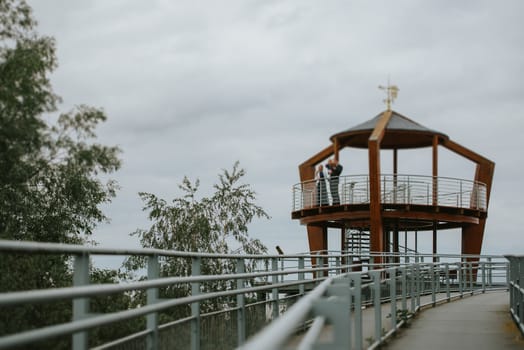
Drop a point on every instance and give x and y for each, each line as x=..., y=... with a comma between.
x=101, y=320
x=54, y=248
x=39, y=296
x=60, y=248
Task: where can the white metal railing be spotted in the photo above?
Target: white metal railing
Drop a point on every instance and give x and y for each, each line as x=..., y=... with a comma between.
x=395, y=189
x=341, y=301
x=516, y=289
x=281, y=280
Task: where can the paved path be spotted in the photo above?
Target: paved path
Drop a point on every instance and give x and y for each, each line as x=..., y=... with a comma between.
x=478, y=322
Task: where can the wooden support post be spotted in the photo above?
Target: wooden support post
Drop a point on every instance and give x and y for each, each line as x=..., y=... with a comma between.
x=375, y=207
x=317, y=237
x=472, y=235
x=336, y=149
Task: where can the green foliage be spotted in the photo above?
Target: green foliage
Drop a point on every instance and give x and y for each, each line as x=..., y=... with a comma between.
x=403, y=315
x=49, y=180
x=210, y=224
x=48, y=185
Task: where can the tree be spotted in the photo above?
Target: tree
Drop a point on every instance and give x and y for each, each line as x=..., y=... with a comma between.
x=50, y=188
x=210, y=224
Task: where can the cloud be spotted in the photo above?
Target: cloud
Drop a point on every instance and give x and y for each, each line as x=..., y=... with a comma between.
x=191, y=87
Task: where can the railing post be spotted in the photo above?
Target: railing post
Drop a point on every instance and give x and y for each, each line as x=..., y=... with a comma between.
x=510, y=278
x=357, y=295
x=376, y=305
x=427, y=195
x=433, y=285
x=438, y=272
x=294, y=199
x=404, y=288
x=520, y=290
x=274, y=291
x=446, y=273
x=241, y=312
x=80, y=305
x=419, y=282
x=367, y=189
x=301, y=275
x=320, y=264
x=460, y=204
x=461, y=278
x=470, y=272
x=483, y=269
x=196, y=263
x=412, y=288
x=393, y=296
x=153, y=272
x=490, y=281
x=282, y=269
x=409, y=192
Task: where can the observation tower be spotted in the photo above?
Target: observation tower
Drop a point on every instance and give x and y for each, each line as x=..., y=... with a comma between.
x=375, y=208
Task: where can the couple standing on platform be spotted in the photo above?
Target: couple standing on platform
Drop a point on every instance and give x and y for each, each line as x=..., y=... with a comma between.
x=334, y=171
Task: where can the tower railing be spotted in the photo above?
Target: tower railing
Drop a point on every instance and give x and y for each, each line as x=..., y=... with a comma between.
x=252, y=296
x=395, y=189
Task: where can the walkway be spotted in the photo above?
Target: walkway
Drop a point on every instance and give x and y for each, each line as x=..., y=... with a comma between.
x=479, y=322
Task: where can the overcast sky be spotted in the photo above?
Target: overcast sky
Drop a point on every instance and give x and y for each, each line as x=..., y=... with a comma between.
x=190, y=87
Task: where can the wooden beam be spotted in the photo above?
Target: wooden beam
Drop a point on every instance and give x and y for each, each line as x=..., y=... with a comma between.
x=376, y=234
x=336, y=147
x=464, y=152
x=317, y=237
x=473, y=235
x=420, y=215
x=395, y=163
x=380, y=127
x=307, y=168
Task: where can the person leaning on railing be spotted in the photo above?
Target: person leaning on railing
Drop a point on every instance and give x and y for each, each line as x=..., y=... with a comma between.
x=334, y=170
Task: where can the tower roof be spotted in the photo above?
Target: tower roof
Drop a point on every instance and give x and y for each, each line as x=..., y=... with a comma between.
x=401, y=132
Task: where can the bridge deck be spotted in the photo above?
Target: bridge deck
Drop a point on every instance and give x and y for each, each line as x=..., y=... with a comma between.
x=479, y=322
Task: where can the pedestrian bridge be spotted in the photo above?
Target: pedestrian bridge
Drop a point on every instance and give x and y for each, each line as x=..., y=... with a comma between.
x=287, y=302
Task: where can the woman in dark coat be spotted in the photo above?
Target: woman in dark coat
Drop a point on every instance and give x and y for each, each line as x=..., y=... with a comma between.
x=322, y=196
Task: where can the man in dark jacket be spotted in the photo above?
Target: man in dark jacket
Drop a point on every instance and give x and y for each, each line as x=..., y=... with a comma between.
x=334, y=170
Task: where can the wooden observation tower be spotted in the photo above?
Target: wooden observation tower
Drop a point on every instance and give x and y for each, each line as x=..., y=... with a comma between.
x=374, y=208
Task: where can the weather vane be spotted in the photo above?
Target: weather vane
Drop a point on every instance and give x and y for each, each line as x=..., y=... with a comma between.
x=392, y=92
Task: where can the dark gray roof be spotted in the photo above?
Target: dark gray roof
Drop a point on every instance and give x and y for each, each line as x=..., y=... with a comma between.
x=401, y=132
x=397, y=122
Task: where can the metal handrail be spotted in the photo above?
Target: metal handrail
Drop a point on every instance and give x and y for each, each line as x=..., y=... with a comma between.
x=287, y=272
x=516, y=289
x=395, y=189
x=341, y=302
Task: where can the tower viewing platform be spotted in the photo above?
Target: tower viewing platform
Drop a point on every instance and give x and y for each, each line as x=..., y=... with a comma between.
x=402, y=196
x=379, y=206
